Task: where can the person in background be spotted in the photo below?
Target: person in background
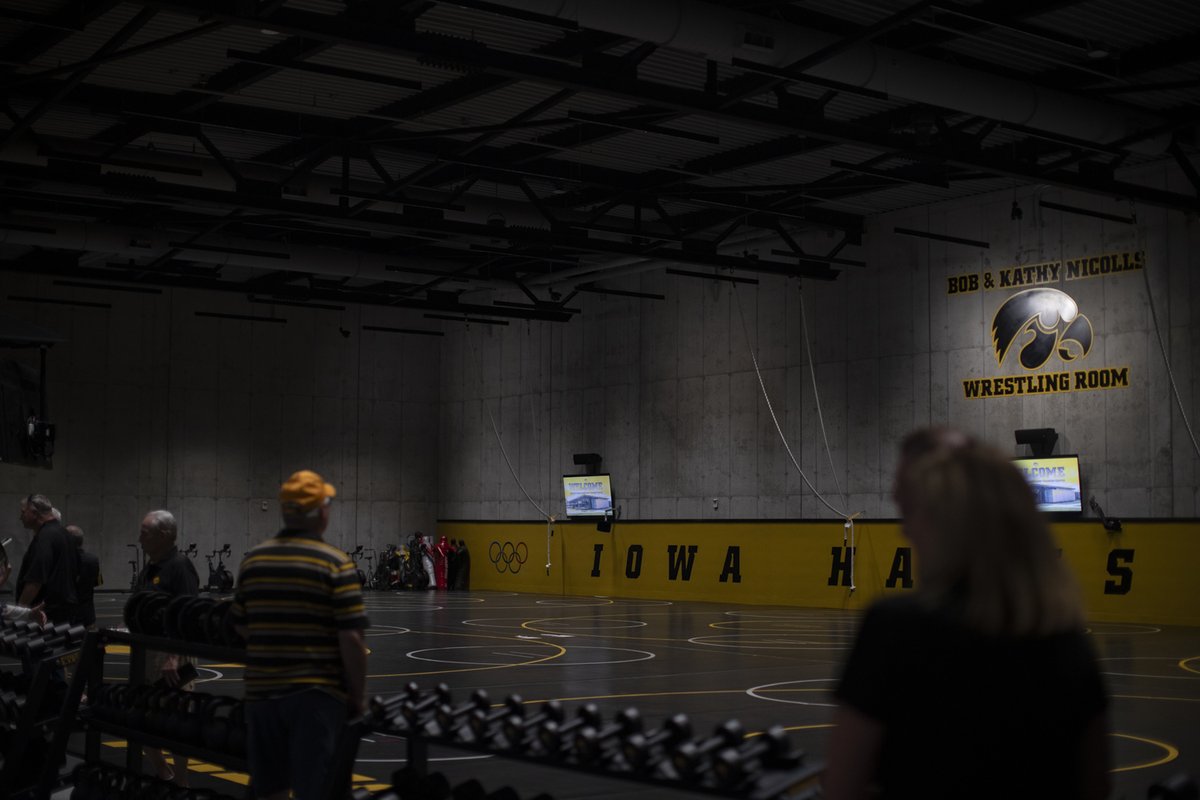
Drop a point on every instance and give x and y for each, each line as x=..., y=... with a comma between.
x=47, y=574
x=86, y=581
x=299, y=605
x=170, y=571
x=10, y=611
x=981, y=683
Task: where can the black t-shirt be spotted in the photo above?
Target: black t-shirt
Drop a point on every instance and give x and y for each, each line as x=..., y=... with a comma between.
x=971, y=715
x=174, y=574
x=85, y=587
x=51, y=560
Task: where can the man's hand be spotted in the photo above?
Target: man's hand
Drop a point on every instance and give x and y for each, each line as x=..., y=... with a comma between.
x=5, y=571
x=38, y=614
x=170, y=671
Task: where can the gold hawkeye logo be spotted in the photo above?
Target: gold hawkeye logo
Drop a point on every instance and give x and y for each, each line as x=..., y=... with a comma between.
x=1039, y=323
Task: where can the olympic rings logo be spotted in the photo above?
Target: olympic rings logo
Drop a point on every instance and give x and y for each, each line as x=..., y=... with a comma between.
x=508, y=557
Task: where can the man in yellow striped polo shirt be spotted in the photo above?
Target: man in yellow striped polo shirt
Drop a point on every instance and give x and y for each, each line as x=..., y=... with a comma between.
x=299, y=605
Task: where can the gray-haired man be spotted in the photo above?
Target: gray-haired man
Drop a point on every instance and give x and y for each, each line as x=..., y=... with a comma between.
x=48, y=570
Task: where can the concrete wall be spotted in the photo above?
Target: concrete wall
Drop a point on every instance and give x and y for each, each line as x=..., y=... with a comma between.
x=157, y=407
x=667, y=393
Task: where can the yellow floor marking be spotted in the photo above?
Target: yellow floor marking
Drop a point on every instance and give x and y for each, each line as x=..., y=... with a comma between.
x=204, y=768
x=1172, y=753
x=1184, y=664
x=797, y=728
x=234, y=777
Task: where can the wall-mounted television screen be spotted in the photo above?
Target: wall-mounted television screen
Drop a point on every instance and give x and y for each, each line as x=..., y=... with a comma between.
x=1055, y=482
x=587, y=496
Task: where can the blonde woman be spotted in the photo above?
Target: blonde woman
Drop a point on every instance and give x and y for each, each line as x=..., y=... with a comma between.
x=981, y=683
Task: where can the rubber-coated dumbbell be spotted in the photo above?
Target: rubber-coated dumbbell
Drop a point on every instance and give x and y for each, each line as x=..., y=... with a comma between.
x=193, y=711
x=60, y=636
x=594, y=745
x=448, y=717
x=691, y=758
x=215, y=728
x=417, y=712
x=384, y=708
x=482, y=724
x=11, y=706
x=554, y=736
x=519, y=729
x=772, y=750
x=643, y=751
x=415, y=786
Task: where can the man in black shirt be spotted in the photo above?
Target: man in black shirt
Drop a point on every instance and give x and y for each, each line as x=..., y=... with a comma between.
x=49, y=569
x=87, y=580
x=169, y=571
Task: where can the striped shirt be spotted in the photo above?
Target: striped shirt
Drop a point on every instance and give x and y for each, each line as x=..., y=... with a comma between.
x=294, y=593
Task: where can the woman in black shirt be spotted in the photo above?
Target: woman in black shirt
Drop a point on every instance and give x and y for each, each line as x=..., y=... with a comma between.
x=981, y=683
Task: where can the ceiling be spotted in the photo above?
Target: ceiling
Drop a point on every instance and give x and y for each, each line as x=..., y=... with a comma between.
x=491, y=160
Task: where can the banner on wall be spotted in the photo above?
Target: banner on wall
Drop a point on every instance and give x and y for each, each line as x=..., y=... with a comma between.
x=1142, y=574
x=1048, y=272
x=1038, y=323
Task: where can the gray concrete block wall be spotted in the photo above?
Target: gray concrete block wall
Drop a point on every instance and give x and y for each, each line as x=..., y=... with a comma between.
x=890, y=350
x=159, y=408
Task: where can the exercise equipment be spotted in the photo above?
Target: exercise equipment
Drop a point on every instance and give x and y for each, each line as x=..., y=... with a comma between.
x=644, y=751
x=772, y=750
x=691, y=759
x=593, y=745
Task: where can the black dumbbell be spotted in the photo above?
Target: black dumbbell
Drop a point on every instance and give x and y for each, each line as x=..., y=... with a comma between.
x=11, y=706
x=60, y=636
x=193, y=711
x=417, y=712
x=593, y=745
x=415, y=786
x=448, y=717
x=19, y=633
x=691, y=758
x=482, y=724
x=642, y=752
x=161, y=707
x=215, y=728
x=772, y=750
x=519, y=729
x=469, y=790
x=384, y=708
x=14, y=681
x=554, y=736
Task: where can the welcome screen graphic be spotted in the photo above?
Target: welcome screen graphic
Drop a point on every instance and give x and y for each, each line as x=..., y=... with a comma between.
x=1055, y=482
x=587, y=495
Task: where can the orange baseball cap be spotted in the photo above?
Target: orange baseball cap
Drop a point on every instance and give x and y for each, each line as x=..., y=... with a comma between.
x=304, y=491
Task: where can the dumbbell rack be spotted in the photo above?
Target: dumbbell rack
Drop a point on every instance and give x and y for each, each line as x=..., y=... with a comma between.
x=344, y=756
x=797, y=782
x=32, y=719
x=138, y=645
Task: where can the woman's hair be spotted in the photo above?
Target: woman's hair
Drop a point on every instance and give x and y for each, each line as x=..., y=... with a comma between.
x=987, y=548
